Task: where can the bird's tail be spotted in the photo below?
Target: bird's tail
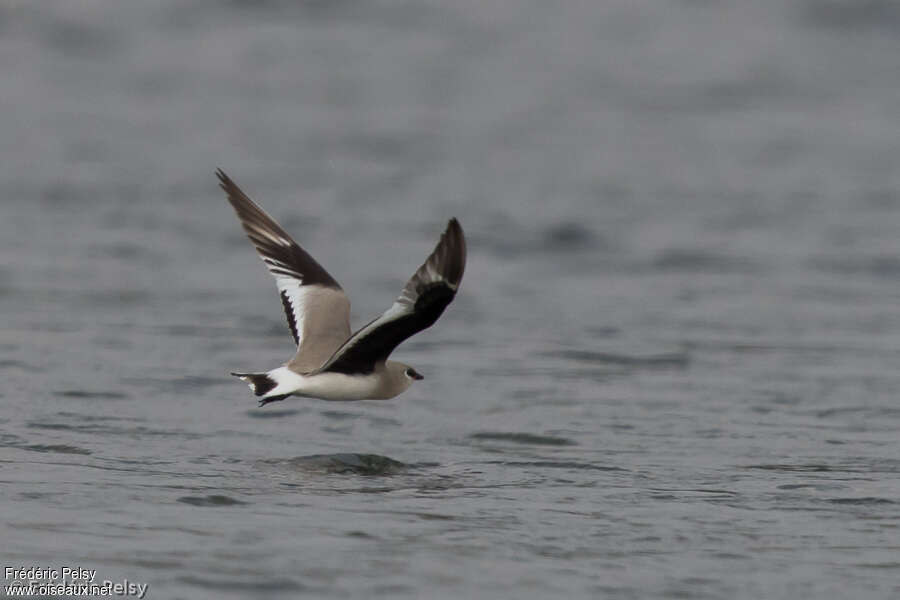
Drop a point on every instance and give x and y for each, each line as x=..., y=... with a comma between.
x=260, y=383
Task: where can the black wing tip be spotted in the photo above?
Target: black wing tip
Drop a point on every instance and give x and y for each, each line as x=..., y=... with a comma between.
x=241, y=203
x=455, y=229
x=255, y=220
x=248, y=212
x=224, y=180
x=454, y=257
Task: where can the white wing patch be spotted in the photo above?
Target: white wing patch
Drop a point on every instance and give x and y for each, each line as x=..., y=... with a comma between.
x=297, y=274
x=294, y=295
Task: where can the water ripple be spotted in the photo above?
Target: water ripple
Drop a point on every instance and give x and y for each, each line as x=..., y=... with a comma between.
x=211, y=500
x=360, y=464
x=522, y=438
x=548, y=464
x=90, y=394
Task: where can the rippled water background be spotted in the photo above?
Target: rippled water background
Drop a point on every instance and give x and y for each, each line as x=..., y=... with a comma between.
x=672, y=369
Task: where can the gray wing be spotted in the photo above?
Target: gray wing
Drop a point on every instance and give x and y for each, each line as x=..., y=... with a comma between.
x=317, y=310
x=422, y=301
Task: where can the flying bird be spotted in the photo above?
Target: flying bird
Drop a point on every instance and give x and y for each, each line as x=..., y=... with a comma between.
x=330, y=362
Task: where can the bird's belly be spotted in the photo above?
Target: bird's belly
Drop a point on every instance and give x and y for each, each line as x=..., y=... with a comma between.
x=337, y=386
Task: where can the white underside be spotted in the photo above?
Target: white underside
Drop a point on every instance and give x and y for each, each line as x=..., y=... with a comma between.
x=330, y=386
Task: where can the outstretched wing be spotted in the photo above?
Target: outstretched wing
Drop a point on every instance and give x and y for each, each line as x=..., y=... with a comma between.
x=423, y=299
x=317, y=310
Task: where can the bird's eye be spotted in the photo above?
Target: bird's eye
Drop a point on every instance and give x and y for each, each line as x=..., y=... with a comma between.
x=410, y=373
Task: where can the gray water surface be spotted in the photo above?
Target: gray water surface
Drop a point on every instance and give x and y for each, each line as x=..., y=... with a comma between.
x=671, y=369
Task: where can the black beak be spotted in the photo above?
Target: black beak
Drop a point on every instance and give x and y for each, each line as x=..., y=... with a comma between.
x=417, y=376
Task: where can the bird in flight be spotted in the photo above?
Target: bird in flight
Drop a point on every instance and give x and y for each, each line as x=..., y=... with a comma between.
x=330, y=362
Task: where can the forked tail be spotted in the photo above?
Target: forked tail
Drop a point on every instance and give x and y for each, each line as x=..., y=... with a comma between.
x=261, y=384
